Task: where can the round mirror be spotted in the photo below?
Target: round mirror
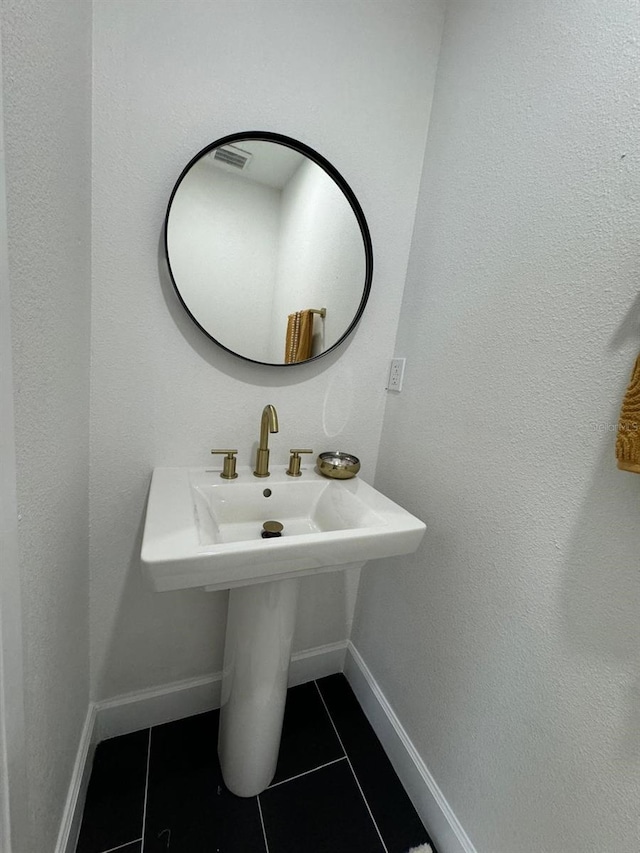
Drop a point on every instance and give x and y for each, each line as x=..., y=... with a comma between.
x=268, y=248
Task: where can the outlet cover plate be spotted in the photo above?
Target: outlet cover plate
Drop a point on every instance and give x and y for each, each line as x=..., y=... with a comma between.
x=396, y=374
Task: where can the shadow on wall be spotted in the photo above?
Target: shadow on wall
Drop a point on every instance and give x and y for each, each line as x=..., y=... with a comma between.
x=153, y=640
x=629, y=328
x=601, y=592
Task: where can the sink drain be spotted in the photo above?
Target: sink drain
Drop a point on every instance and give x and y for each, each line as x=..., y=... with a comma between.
x=272, y=529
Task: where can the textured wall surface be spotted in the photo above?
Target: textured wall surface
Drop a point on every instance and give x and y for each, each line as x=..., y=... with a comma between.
x=350, y=79
x=14, y=824
x=47, y=72
x=508, y=645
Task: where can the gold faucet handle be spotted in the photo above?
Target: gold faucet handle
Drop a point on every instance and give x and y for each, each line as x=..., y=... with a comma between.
x=229, y=468
x=294, y=462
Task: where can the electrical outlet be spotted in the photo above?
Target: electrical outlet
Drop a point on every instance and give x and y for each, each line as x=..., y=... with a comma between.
x=396, y=373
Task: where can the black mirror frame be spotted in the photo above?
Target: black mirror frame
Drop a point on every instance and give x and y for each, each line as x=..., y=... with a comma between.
x=348, y=193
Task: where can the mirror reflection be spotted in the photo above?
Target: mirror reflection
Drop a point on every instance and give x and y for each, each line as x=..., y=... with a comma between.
x=268, y=249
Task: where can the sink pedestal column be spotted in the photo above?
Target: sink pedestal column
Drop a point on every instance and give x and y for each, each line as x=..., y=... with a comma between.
x=260, y=624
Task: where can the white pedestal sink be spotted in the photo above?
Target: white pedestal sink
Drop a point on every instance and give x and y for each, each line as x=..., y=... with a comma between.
x=203, y=531
x=260, y=625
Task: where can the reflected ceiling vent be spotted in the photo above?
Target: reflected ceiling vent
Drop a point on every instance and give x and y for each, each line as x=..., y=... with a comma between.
x=229, y=155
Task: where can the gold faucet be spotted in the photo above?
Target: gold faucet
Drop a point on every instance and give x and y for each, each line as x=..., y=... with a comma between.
x=268, y=423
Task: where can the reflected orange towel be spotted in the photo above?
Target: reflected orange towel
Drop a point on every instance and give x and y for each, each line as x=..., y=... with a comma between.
x=299, y=337
x=628, y=441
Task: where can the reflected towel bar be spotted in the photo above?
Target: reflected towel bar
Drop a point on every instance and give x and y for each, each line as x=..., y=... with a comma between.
x=321, y=311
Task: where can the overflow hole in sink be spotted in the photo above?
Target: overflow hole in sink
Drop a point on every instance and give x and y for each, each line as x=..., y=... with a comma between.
x=267, y=493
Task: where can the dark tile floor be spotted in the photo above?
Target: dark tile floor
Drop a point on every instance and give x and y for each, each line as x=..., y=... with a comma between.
x=334, y=790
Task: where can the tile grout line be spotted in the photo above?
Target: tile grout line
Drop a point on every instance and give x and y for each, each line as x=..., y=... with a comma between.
x=146, y=792
x=373, y=821
x=120, y=846
x=264, y=831
x=306, y=772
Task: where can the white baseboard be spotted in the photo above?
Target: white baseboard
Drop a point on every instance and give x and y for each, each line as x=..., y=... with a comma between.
x=429, y=801
x=156, y=705
x=72, y=814
x=316, y=663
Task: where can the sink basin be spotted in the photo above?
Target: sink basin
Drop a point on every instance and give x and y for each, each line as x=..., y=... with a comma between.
x=203, y=531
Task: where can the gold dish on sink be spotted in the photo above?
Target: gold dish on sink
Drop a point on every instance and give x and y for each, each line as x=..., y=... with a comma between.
x=338, y=465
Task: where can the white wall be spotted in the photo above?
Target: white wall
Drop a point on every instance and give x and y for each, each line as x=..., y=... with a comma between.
x=508, y=645
x=46, y=66
x=222, y=238
x=351, y=79
x=14, y=827
x=321, y=257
